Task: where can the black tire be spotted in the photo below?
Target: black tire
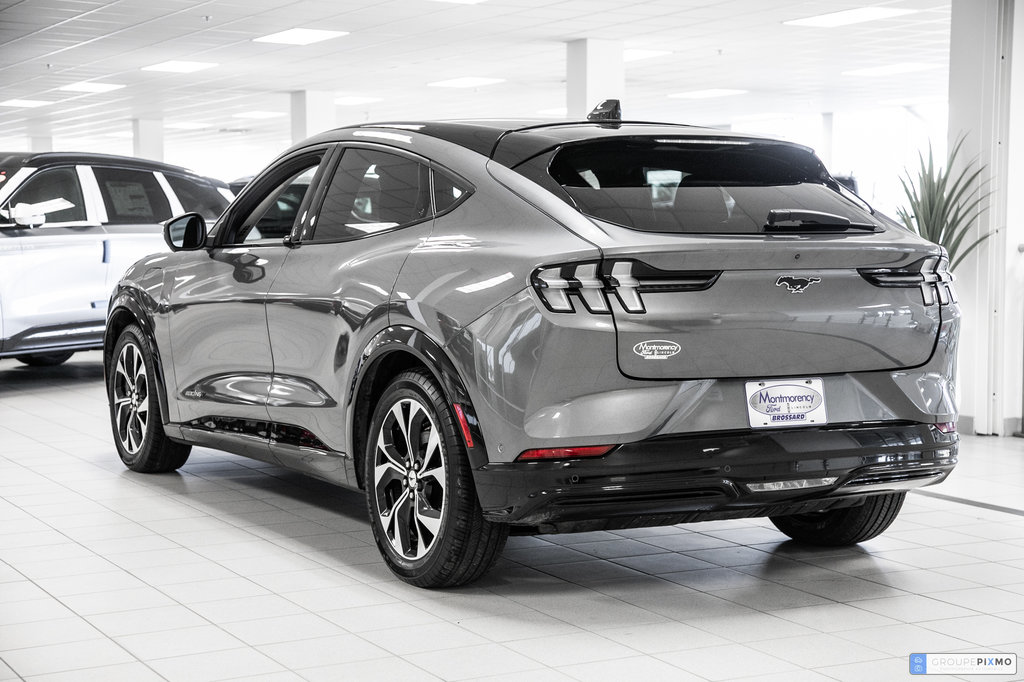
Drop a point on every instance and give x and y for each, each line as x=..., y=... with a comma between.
x=424, y=512
x=839, y=527
x=45, y=359
x=135, y=408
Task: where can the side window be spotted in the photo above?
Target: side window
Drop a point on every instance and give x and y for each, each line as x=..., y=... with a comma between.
x=52, y=186
x=197, y=196
x=446, y=192
x=132, y=196
x=274, y=216
x=373, y=191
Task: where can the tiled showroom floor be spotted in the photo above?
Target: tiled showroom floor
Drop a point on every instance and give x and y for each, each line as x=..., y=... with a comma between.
x=232, y=569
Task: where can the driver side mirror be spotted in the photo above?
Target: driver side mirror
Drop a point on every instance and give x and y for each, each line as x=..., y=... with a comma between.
x=34, y=215
x=186, y=232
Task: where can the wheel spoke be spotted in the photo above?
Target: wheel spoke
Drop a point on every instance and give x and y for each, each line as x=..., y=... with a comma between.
x=428, y=517
x=402, y=538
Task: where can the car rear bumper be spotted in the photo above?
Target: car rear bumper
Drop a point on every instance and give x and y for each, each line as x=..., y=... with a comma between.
x=683, y=478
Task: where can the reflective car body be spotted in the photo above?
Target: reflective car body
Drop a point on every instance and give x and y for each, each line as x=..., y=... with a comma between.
x=70, y=224
x=616, y=352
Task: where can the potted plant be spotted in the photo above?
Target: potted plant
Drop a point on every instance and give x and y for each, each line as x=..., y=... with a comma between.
x=943, y=205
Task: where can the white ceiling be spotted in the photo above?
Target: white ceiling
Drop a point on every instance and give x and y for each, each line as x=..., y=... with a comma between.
x=395, y=47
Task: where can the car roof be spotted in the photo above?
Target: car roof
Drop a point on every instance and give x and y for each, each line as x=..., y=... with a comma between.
x=39, y=159
x=512, y=141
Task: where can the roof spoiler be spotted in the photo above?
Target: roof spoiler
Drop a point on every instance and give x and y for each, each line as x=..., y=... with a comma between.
x=607, y=110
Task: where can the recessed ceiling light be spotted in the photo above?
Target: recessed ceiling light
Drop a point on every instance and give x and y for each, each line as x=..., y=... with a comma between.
x=708, y=94
x=353, y=100
x=892, y=69
x=466, y=82
x=300, y=36
x=850, y=16
x=186, y=125
x=631, y=55
x=91, y=86
x=175, y=66
x=24, y=103
x=259, y=114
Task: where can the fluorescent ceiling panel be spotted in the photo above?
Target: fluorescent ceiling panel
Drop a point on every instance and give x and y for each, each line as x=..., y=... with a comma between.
x=708, y=94
x=300, y=36
x=259, y=114
x=353, y=100
x=466, y=82
x=175, y=66
x=24, y=103
x=850, y=16
x=631, y=55
x=91, y=86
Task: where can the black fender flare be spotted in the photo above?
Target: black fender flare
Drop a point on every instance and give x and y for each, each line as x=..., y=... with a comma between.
x=429, y=353
x=126, y=308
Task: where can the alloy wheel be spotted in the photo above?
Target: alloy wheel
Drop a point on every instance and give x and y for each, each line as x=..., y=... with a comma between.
x=131, y=398
x=409, y=476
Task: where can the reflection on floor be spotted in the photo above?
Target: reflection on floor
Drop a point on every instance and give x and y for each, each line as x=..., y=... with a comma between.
x=233, y=569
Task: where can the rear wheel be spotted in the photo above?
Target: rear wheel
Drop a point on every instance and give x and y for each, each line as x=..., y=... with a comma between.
x=45, y=359
x=848, y=526
x=135, y=409
x=424, y=512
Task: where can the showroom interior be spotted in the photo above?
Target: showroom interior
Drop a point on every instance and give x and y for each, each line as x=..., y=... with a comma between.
x=236, y=569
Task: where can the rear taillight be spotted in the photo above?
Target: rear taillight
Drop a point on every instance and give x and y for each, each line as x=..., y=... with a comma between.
x=566, y=453
x=930, y=274
x=595, y=284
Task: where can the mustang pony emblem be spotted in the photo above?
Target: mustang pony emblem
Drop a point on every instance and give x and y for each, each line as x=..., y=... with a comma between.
x=796, y=285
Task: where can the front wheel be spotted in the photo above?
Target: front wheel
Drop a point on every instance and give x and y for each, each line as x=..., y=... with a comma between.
x=135, y=408
x=839, y=527
x=424, y=512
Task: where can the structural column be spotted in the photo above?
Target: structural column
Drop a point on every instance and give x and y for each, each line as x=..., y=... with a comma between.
x=41, y=143
x=313, y=112
x=595, y=71
x=985, y=109
x=148, y=138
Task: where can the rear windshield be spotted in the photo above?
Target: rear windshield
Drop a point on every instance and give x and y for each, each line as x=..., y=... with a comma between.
x=697, y=186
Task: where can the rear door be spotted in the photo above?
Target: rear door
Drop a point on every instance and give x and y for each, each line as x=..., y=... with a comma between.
x=730, y=258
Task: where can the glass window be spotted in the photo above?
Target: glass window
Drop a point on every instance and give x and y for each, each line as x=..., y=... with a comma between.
x=446, y=192
x=701, y=186
x=197, y=196
x=373, y=191
x=274, y=216
x=132, y=196
x=52, y=186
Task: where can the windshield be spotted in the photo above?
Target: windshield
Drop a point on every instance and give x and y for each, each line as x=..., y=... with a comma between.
x=697, y=186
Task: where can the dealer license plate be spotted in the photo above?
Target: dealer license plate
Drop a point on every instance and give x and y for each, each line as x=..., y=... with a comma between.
x=786, y=402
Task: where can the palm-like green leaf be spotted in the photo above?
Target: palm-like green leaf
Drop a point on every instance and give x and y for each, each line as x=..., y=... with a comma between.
x=942, y=207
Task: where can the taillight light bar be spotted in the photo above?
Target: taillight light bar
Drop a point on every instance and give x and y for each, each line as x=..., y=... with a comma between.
x=566, y=453
x=595, y=283
x=931, y=274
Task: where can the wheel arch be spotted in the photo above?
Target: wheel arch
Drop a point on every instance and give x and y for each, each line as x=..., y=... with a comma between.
x=392, y=351
x=126, y=310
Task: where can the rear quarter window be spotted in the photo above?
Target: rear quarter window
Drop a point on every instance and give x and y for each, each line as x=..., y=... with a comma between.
x=197, y=196
x=693, y=186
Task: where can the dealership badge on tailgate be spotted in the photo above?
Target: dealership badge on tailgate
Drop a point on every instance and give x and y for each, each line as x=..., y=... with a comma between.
x=786, y=402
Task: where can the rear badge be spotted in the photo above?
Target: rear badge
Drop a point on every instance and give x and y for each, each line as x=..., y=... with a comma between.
x=796, y=285
x=656, y=349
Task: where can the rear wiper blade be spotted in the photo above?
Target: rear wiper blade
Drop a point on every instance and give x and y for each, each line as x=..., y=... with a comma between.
x=794, y=219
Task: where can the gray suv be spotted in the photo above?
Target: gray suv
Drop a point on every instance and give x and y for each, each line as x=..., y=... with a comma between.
x=70, y=223
x=554, y=327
